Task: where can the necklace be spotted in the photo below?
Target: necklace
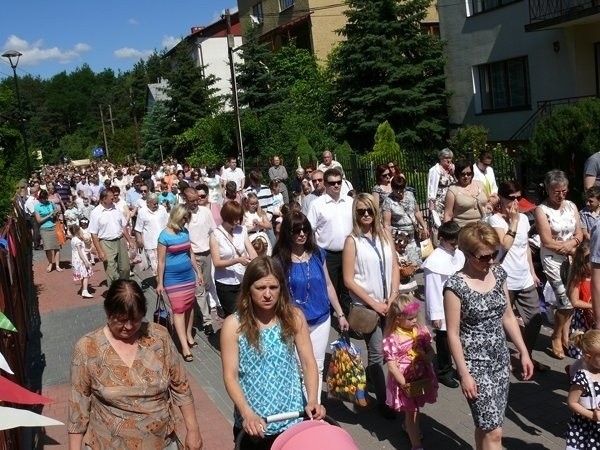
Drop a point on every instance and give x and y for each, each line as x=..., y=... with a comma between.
x=305, y=281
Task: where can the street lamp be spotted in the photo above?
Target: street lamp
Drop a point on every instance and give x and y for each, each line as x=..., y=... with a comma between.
x=13, y=57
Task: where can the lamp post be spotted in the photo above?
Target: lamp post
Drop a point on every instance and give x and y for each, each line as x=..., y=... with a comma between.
x=13, y=59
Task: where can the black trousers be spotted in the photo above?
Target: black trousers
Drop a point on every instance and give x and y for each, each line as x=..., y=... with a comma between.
x=334, y=268
x=228, y=294
x=444, y=359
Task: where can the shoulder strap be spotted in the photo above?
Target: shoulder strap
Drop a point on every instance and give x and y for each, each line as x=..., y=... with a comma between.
x=230, y=241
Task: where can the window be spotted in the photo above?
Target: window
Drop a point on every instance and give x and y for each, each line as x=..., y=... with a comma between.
x=485, y=5
x=257, y=11
x=504, y=85
x=285, y=4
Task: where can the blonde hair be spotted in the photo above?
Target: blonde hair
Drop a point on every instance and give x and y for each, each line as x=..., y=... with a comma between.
x=177, y=216
x=397, y=310
x=377, y=229
x=588, y=342
x=477, y=234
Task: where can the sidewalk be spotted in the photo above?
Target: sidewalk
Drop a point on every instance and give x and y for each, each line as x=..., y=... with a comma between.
x=536, y=417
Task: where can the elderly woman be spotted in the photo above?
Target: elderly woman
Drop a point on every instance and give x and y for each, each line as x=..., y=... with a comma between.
x=268, y=331
x=124, y=377
x=401, y=214
x=178, y=274
x=557, y=221
x=371, y=274
x=47, y=216
x=466, y=201
x=478, y=314
x=439, y=179
x=512, y=228
x=383, y=188
x=278, y=173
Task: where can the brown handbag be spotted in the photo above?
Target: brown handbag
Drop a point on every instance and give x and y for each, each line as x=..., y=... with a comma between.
x=362, y=319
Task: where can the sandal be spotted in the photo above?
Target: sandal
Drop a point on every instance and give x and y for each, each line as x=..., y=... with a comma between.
x=188, y=358
x=557, y=349
x=193, y=344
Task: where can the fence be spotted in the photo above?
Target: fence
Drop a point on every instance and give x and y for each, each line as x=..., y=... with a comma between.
x=17, y=297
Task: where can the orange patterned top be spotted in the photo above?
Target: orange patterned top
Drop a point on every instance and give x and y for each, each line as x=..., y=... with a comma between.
x=121, y=407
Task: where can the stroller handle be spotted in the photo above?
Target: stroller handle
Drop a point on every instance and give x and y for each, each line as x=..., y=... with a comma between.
x=285, y=416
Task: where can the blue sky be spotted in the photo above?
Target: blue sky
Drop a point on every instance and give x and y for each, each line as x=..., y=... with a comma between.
x=56, y=36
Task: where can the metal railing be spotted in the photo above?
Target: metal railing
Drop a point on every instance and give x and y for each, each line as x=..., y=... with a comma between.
x=540, y=10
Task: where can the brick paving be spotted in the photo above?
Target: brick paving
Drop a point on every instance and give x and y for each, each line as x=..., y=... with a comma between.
x=535, y=419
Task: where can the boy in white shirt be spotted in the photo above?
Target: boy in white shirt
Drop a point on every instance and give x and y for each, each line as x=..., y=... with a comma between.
x=443, y=262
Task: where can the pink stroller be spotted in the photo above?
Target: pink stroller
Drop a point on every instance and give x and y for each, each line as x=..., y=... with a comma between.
x=306, y=434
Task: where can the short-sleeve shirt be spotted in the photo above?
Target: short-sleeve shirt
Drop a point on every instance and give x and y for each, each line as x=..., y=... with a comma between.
x=592, y=167
x=44, y=209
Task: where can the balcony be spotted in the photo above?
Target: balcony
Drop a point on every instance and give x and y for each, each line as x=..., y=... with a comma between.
x=546, y=14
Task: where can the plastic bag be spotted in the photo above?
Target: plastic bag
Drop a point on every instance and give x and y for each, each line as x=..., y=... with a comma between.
x=346, y=378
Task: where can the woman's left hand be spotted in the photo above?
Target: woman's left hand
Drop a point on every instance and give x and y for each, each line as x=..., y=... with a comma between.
x=315, y=411
x=527, y=366
x=344, y=325
x=193, y=440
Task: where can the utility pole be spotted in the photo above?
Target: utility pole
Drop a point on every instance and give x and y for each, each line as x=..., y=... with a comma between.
x=236, y=107
x=103, y=131
x=111, y=120
x=135, y=122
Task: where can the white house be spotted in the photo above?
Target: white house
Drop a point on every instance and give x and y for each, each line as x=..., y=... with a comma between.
x=508, y=61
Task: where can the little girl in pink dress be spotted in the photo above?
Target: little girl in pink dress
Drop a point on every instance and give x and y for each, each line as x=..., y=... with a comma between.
x=408, y=352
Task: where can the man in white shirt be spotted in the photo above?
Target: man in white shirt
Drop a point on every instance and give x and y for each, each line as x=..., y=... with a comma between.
x=108, y=227
x=330, y=216
x=150, y=222
x=233, y=173
x=483, y=172
x=29, y=207
x=329, y=163
x=200, y=226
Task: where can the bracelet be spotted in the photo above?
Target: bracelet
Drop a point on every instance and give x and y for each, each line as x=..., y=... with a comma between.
x=511, y=233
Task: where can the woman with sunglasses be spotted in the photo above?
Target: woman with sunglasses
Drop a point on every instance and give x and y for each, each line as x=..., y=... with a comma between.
x=310, y=288
x=515, y=258
x=478, y=314
x=559, y=227
x=466, y=201
x=401, y=214
x=383, y=188
x=372, y=277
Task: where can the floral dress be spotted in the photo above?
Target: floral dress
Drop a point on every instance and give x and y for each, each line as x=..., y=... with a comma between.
x=404, y=220
x=78, y=266
x=583, y=319
x=407, y=348
x=484, y=346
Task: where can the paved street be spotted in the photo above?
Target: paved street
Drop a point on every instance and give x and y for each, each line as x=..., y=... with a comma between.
x=536, y=417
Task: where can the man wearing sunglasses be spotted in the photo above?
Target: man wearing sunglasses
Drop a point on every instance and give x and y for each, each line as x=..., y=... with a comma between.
x=318, y=183
x=331, y=218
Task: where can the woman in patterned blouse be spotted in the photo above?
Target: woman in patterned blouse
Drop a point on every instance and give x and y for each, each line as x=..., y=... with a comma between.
x=124, y=377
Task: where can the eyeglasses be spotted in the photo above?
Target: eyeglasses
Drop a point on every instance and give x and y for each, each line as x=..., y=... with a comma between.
x=363, y=211
x=391, y=166
x=308, y=171
x=317, y=180
x=143, y=190
x=334, y=183
x=485, y=258
x=563, y=192
x=125, y=320
x=299, y=230
x=202, y=196
x=466, y=174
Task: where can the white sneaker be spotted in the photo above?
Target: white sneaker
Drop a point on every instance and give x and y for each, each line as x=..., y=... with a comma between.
x=86, y=294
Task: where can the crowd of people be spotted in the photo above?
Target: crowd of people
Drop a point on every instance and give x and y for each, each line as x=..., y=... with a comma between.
x=284, y=262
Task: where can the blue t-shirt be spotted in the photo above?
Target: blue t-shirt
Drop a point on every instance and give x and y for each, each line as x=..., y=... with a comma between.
x=308, y=288
x=169, y=197
x=178, y=266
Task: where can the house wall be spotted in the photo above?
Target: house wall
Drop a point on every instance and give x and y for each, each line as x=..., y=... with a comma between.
x=498, y=35
x=325, y=23
x=214, y=54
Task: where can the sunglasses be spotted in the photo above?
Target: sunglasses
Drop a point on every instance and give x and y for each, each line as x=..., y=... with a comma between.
x=485, y=258
x=391, y=166
x=466, y=174
x=143, y=191
x=299, y=230
x=317, y=180
x=334, y=183
x=202, y=196
x=385, y=174
x=513, y=197
x=363, y=211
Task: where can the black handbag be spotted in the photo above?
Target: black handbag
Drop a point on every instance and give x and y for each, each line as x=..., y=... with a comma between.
x=162, y=315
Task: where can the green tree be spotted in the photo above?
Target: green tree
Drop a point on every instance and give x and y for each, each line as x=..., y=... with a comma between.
x=154, y=134
x=386, y=148
x=305, y=152
x=468, y=141
x=386, y=68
